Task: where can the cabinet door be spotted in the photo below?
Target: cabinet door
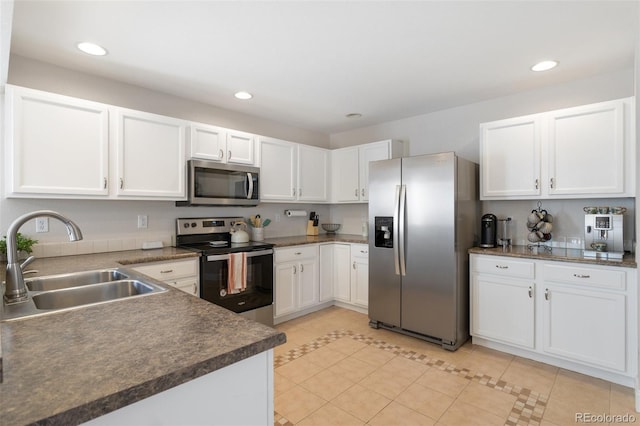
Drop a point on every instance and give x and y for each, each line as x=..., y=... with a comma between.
x=502, y=309
x=586, y=326
x=345, y=174
x=277, y=170
x=368, y=153
x=359, y=275
x=510, y=157
x=151, y=155
x=308, y=282
x=326, y=272
x=342, y=272
x=55, y=145
x=286, y=294
x=207, y=142
x=240, y=147
x=188, y=285
x=586, y=150
x=313, y=166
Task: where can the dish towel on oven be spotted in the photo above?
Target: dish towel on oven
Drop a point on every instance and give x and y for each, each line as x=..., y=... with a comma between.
x=237, y=281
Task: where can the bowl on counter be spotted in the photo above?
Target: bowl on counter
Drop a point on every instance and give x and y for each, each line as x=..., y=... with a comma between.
x=331, y=228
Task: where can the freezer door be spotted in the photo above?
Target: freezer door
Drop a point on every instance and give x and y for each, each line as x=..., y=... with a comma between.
x=384, y=282
x=428, y=289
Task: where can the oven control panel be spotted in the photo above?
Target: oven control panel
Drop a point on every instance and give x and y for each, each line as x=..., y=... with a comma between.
x=205, y=225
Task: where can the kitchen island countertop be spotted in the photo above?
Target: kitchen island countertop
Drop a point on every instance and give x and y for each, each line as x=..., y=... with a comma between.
x=72, y=366
x=556, y=254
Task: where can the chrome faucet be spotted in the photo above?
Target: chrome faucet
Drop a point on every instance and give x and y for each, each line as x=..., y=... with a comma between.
x=15, y=291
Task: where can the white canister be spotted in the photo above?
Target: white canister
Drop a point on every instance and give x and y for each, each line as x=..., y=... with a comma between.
x=257, y=234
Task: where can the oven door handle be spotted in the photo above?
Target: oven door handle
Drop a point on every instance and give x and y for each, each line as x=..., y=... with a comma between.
x=216, y=257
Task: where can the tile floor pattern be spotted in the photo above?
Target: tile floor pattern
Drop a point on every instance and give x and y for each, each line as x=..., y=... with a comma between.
x=336, y=370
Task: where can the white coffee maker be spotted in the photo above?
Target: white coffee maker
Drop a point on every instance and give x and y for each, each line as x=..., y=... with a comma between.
x=603, y=236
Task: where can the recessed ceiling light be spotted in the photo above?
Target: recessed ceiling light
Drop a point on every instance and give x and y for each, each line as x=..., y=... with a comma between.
x=544, y=66
x=353, y=115
x=243, y=95
x=91, y=48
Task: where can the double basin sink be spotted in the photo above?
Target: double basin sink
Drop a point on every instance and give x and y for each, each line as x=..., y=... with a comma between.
x=66, y=291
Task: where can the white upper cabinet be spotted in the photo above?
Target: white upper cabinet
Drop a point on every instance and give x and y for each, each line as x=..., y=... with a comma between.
x=151, y=155
x=55, y=145
x=586, y=151
x=292, y=172
x=350, y=168
x=214, y=143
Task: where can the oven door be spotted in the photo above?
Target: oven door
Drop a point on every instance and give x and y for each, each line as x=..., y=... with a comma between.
x=214, y=274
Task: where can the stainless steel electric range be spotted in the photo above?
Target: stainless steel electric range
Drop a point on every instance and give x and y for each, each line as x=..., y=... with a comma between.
x=211, y=237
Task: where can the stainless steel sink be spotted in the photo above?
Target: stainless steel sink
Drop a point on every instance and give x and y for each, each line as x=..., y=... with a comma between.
x=95, y=293
x=76, y=290
x=56, y=282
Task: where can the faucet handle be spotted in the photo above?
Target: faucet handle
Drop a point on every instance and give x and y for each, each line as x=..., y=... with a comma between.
x=27, y=261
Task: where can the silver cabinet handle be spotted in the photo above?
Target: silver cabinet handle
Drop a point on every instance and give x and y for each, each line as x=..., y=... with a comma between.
x=551, y=183
x=530, y=292
x=356, y=193
x=229, y=155
x=502, y=267
x=295, y=270
x=104, y=183
x=195, y=288
x=301, y=269
x=298, y=253
x=581, y=276
x=362, y=192
x=221, y=154
x=354, y=265
x=536, y=183
x=299, y=192
x=364, y=251
x=293, y=192
x=121, y=183
x=546, y=294
x=166, y=271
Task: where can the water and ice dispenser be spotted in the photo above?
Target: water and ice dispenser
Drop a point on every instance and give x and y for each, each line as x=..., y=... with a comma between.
x=384, y=231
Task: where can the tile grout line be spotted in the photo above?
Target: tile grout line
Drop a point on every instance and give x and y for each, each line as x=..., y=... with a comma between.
x=527, y=410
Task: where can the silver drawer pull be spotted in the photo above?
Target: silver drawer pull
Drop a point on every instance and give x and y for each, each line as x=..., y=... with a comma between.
x=581, y=276
x=168, y=271
x=502, y=267
x=546, y=294
x=530, y=292
x=297, y=253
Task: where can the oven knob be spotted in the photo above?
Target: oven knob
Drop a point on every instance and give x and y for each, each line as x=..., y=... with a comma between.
x=186, y=225
x=193, y=224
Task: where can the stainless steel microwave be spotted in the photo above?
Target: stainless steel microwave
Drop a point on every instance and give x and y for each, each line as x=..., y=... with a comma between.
x=215, y=184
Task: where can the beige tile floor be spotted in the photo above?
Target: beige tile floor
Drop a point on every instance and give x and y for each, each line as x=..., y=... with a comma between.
x=336, y=370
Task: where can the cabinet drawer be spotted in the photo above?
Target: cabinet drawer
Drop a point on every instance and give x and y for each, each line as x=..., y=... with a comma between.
x=170, y=270
x=504, y=266
x=592, y=277
x=360, y=251
x=296, y=253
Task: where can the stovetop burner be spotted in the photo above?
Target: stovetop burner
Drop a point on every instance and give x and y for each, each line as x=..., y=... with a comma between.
x=212, y=236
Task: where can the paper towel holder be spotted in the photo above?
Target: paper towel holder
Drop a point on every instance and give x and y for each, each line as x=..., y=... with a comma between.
x=295, y=213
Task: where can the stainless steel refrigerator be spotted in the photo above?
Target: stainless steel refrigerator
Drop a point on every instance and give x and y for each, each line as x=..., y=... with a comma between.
x=423, y=217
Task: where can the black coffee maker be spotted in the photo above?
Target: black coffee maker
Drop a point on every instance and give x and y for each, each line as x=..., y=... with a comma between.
x=488, y=235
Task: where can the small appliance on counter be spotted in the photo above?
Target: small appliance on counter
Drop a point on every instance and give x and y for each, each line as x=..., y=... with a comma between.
x=603, y=237
x=489, y=225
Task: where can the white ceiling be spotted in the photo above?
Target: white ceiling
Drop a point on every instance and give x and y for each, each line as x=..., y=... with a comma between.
x=308, y=63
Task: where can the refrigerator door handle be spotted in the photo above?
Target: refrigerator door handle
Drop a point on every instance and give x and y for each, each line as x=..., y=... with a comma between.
x=401, y=229
x=396, y=210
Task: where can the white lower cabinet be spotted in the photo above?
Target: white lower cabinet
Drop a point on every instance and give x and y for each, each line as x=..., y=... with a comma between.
x=580, y=317
x=360, y=275
x=296, y=279
x=346, y=267
x=181, y=274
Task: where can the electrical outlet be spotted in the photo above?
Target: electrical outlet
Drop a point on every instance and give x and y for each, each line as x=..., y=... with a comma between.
x=42, y=224
x=142, y=220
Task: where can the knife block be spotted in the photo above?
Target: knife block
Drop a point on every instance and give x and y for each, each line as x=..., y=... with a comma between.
x=311, y=230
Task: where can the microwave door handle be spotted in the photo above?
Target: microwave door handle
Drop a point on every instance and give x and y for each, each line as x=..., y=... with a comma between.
x=250, y=190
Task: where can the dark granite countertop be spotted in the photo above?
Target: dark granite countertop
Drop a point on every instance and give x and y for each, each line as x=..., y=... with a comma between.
x=321, y=238
x=72, y=366
x=556, y=254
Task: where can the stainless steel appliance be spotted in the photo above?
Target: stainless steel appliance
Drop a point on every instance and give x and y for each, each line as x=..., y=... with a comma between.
x=489, y=230
x=212, y=238
x=603, y=236
x=424, y=212
x=214, y=184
